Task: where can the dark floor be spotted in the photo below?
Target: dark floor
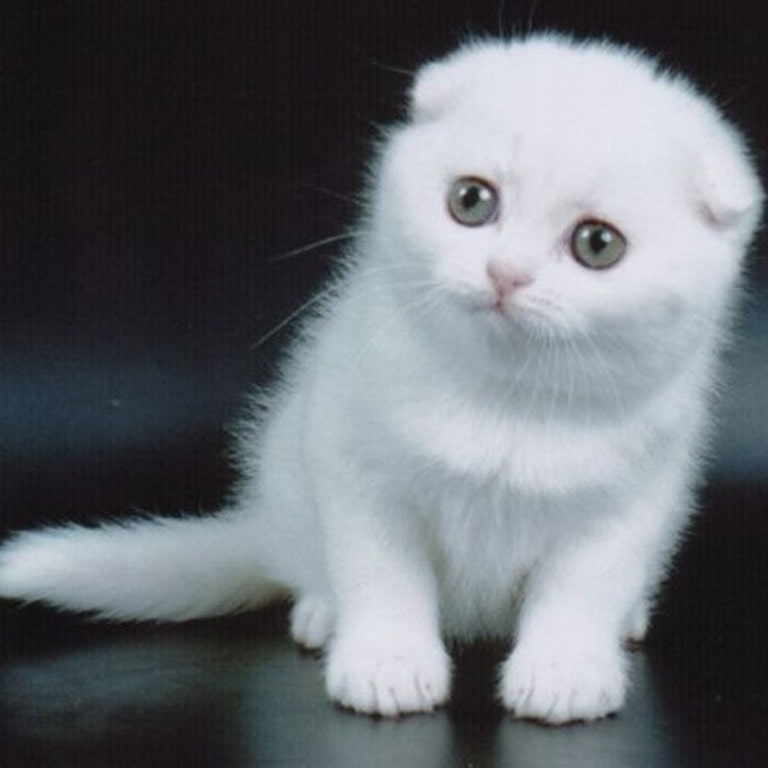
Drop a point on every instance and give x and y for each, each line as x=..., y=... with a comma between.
x=235, y=692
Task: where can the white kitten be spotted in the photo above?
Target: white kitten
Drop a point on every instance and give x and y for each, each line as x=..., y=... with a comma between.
x=493, y=426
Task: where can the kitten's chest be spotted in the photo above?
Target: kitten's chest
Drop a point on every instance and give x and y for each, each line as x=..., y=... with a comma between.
x=483, y=541
x=542, y=454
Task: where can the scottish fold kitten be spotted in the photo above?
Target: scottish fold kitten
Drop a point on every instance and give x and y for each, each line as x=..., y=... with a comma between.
x=493, y=425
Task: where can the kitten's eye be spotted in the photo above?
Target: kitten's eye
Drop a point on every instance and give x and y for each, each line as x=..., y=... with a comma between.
x=597, y=245
x=473, y=202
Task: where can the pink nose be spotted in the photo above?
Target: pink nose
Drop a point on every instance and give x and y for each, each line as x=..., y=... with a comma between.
x=506, y=279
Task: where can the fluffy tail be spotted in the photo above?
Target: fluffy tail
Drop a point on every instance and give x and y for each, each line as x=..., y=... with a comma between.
x=163, y=569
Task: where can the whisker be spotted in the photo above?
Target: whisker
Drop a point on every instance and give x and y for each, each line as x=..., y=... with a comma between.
x=332, y=193
x=513, y=386
x=318, y=297
x=392, y=68
x=531, y=21
x=570, y=353
x=425, y=302
x=534, y=390
x=584, y=352
x=553, y=374
x=608, y=375
x=500, y=11
x=349, y=235
x=400, y=275
x=397, y=267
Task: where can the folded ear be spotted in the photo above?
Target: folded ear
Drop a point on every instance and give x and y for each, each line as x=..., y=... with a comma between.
x=434, y=89
x=727, y=185
x=440, y=84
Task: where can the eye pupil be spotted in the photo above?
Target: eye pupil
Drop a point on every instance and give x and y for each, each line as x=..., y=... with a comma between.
x=472, y=202
x=599, y=240
x=469, y=197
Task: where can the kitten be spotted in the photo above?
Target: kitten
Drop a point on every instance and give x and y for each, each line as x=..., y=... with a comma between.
x=493, y=425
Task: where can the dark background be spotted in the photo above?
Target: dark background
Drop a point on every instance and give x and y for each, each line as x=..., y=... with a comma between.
x=156, y=160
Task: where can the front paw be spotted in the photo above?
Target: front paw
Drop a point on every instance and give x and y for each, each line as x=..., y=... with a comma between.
x=377, y=679
x=561, y=685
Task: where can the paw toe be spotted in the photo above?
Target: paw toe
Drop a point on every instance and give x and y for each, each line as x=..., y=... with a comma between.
x=388, y=683
x=561, y=689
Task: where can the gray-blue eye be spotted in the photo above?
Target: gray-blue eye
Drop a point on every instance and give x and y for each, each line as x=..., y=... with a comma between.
x=597, y=245
x=473, y=202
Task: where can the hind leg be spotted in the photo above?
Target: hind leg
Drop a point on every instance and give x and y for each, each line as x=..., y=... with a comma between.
x=312, y=621
x=637, y=622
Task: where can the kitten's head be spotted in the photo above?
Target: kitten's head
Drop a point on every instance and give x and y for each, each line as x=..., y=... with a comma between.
x=563, y=189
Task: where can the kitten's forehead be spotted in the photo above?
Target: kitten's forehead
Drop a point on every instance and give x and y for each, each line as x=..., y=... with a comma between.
x=577, y=116
x=601, y=102
x=541, y=74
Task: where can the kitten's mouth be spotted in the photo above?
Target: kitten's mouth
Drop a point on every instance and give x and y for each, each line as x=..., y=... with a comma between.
x=499, y=313
x=492, y=306
x=502, y=307
x=498, y=306
x=505, y=314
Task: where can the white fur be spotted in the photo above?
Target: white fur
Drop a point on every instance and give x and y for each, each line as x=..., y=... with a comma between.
x=430, y=467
